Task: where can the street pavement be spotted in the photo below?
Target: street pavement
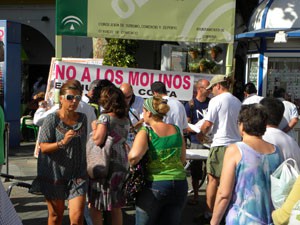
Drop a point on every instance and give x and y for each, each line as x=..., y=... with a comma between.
x=32, y=209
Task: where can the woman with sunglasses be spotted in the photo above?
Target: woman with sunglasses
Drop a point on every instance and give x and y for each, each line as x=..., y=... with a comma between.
x=62, y=160
x=107, y=194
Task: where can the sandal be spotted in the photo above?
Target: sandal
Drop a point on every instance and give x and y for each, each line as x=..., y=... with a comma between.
x=193, y=202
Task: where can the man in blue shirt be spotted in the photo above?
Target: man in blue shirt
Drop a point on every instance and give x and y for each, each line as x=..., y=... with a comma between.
x=195, y=110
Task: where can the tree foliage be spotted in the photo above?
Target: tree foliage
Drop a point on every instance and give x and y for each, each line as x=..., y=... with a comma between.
x=120, y=53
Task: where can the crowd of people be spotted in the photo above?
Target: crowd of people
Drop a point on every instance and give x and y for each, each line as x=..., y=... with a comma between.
x=248, y=143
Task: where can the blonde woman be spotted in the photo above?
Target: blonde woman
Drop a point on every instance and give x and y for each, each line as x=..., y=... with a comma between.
x=165, y=194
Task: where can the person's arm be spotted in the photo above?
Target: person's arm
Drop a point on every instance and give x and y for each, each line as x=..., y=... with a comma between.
x=100, y=129
x=48, y=141
x=99, y=134
x=281, y=216
x=139, y=147
x=138, y=124
x=189, y=119
x=59, y=145
x=189, y=130
x=184, y=119
x=42, y=113
x=293, y=122
x=205, y=128
x=223, y=197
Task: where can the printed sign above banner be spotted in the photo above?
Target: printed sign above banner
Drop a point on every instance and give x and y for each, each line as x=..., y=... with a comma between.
x=167, y=20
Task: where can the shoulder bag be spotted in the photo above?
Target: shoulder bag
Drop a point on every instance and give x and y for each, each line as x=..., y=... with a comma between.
x=98, y=157
x=136, y=178
x=282, y=181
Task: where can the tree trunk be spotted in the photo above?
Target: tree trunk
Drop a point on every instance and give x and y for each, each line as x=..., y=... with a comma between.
x=99, y=47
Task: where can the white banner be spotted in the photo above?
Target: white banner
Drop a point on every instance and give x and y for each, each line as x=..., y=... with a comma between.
x=179, y=85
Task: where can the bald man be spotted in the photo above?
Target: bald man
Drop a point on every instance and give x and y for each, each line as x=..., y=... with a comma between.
x=132, y=100
x=135, y=111
x=195, y=111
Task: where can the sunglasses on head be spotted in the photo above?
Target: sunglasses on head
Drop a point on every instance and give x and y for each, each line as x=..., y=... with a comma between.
x=71, y=97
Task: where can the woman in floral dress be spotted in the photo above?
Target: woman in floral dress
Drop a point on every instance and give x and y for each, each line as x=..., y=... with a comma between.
x=107, y=195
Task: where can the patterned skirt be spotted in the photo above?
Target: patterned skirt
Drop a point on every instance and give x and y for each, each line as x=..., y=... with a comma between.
x=107, y=193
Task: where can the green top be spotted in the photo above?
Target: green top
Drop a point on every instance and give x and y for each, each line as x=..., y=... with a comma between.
x=96, y=109
x=2, y=127
x=164, y=157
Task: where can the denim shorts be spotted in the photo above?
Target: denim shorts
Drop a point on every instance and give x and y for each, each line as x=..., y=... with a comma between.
x=161, y=202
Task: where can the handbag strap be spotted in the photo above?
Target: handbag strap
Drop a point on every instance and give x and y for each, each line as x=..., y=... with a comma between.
x=135, y=116
x=131, y=125
x=295, y=163
x=286, y=163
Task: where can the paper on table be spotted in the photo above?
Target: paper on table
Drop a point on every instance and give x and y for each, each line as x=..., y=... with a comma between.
x=194, y=127
x=199, y=123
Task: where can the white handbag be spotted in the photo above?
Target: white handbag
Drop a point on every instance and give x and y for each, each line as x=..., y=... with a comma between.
x=282, y=181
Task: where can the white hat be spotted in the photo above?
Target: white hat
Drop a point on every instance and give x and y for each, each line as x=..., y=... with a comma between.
x=217, y=79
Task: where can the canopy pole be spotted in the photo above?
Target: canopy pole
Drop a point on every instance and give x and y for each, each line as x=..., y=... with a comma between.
x=58, y=46
x=58, y=55
x=229, y=64
x=229, y=59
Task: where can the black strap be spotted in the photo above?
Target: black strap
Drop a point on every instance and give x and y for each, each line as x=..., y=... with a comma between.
x=131, y=126
x=134, y=115
x=148, y=135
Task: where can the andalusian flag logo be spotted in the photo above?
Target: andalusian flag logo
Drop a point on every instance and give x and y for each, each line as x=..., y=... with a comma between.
x=73, y=21
x=71, y=17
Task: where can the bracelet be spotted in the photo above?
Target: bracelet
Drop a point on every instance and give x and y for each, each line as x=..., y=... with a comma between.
x=60, y=145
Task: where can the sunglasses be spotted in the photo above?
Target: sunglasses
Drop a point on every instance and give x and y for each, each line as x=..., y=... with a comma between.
x=71, y=97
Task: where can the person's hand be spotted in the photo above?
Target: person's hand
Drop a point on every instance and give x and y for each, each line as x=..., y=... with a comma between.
x=203, y=138
x=43, y=104
x=68, y=136
x=200, y=137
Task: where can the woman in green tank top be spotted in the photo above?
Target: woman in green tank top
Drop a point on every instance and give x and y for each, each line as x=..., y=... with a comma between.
x=164, y=197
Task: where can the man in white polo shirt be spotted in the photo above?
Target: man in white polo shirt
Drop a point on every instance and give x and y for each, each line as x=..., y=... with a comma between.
x=290, y=115
x=222, y=118
x=250, y=94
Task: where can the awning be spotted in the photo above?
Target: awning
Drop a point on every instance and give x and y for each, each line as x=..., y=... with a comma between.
x=269, y=32
x=294, y=33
